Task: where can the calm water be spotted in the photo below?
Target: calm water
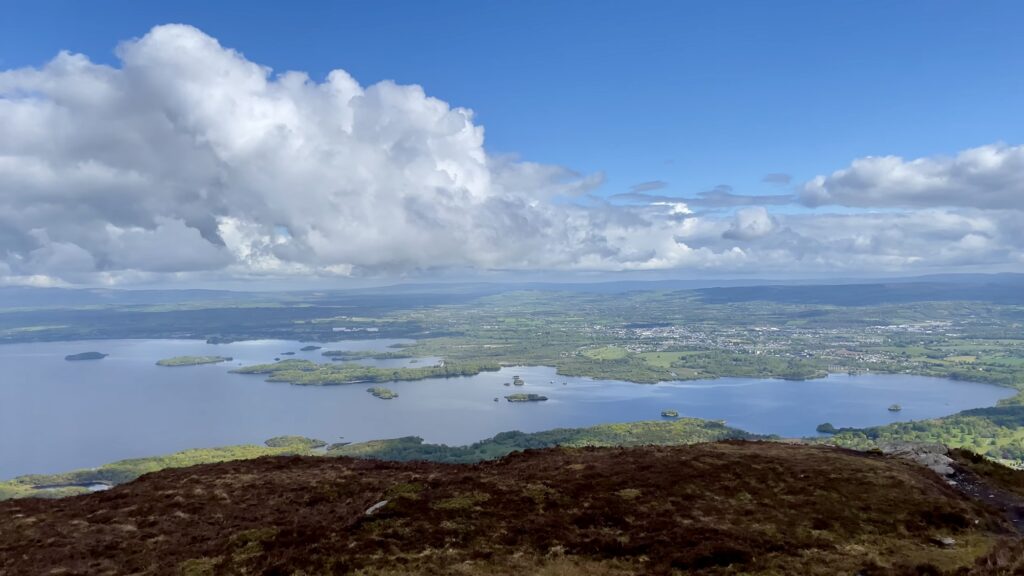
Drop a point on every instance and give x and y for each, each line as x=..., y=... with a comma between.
x=57, y=415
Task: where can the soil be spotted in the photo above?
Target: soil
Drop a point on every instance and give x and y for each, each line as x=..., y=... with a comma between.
x=719, y=508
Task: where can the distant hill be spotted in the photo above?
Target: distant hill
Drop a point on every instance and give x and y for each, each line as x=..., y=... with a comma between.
x=1008, y=290
x=28, y=297
x=1003, y=288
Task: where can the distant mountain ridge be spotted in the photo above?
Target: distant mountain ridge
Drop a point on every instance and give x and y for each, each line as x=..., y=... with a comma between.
x=1002, y=288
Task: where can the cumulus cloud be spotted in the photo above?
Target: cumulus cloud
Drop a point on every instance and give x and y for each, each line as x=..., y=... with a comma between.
x=190, y=157
x=984, y=177
x=188, y=160
x=750, y=223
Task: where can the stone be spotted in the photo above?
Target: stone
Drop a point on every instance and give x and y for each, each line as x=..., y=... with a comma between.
x=932, y=456
x=373, y=509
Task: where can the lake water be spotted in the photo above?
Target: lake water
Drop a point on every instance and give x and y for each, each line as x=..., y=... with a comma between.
x=57, y=415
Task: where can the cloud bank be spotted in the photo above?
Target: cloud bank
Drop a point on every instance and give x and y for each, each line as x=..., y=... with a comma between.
x=989, y=177
x=189, y=161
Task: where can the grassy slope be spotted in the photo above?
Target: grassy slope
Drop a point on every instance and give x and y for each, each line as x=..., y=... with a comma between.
x=721, y=508
x=997, y=432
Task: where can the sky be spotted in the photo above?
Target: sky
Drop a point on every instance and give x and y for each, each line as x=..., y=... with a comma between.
x=193, y=143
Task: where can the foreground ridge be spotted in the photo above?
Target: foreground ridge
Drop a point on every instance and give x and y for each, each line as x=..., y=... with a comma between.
x=723, y=507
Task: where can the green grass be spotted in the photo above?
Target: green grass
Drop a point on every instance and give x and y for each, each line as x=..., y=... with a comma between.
x=126, y=470
x=660, y=359
x=996, y=432
x=606, y=353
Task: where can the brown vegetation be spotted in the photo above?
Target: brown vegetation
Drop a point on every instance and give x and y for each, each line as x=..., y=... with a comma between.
x=726, y=507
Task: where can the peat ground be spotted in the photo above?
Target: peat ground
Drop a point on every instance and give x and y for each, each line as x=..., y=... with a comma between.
x=717, y=508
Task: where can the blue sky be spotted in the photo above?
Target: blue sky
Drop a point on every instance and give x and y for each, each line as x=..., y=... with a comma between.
x=592, y=97
x=692, y=93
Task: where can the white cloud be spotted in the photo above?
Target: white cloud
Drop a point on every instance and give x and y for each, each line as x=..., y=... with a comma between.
x=190, y=161
x=750, y=223
x=986, y=177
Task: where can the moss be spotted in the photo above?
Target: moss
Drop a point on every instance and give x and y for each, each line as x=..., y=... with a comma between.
x=465, y=501
x=629, y=493
x=199, y=567
x=253, y=535
x=409, y=490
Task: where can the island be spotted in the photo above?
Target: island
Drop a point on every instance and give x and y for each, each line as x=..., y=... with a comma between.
x=309, y=348
x=895, y=408
x=193, y=360
x=669, y=414
x=307, y=373
x=86, y=356
x=382, y=392
x=525, y=398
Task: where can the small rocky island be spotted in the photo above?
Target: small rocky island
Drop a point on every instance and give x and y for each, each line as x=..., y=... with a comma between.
x=895, y=408
x=525, y=398
x=193, y=360
x=382, y=392
x=85, y=356
x=669, y=414
x=309, y=348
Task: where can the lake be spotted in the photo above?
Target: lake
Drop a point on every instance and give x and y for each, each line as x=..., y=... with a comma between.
x=57, y=415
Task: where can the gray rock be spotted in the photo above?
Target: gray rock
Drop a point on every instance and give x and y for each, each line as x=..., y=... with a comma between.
x=932, y=456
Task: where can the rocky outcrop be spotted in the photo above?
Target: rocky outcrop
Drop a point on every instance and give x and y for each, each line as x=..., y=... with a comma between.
x=933, y=456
